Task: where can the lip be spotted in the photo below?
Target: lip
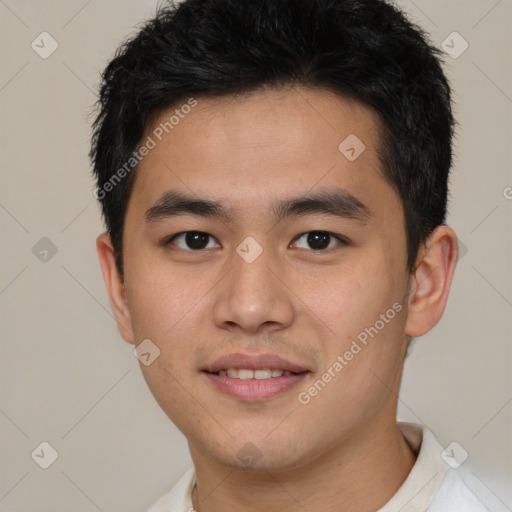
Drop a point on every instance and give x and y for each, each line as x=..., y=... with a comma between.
x=254, y=390
x=254, y=362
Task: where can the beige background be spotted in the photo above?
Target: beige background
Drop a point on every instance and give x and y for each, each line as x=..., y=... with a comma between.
x=67, y=377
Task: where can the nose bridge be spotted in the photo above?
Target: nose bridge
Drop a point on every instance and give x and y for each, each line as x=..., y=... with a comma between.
x=252, y=295
x=252, y=281
x=251, y=277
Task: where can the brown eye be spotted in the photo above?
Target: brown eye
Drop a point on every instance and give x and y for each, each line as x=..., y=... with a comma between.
x=192, y=240
x=320, y=240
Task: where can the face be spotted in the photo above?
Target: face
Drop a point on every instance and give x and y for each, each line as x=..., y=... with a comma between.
x=299, y=266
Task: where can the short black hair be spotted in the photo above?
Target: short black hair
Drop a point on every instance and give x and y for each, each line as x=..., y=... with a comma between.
x=364, y=50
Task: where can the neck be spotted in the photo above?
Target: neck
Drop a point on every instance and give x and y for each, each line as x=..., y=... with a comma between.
x=363, y=475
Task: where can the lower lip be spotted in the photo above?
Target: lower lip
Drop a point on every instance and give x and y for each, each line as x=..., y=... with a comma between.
x=255, y=389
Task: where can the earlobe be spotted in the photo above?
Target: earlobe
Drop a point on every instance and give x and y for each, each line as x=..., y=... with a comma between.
x=431, y=281
x=115, y=288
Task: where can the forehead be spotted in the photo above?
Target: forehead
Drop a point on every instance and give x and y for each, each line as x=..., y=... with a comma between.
x=254, y=147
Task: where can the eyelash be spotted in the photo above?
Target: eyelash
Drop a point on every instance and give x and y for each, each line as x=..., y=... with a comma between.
x=342, y=241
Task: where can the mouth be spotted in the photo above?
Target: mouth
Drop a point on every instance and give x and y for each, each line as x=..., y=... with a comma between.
x=258, y=374
x=254, y=378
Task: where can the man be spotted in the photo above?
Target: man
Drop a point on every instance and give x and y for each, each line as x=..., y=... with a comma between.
x=273, y=176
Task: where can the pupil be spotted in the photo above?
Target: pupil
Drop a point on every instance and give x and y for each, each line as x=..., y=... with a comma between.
x=318, y=240
x=196, y=240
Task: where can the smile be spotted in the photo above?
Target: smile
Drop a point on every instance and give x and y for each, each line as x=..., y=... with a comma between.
x=254, y=385
x=246, y=373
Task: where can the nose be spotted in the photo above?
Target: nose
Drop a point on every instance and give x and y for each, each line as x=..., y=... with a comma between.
x=253, y=297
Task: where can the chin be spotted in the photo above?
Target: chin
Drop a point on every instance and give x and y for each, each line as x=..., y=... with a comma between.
x=257, y=455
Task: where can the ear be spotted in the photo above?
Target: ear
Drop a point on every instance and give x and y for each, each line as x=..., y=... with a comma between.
x=115, y=287
x=431, y=281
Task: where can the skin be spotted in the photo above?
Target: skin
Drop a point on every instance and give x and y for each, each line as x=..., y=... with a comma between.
x=306, y=305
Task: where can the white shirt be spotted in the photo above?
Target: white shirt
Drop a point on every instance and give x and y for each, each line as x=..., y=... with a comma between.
x=432, y=484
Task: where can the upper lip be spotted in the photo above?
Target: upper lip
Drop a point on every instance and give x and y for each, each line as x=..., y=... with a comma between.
x=254, y=362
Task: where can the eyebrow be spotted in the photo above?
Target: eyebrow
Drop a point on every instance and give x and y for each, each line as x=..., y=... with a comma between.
x=337, y=202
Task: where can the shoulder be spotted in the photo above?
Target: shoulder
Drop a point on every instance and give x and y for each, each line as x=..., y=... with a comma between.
x=438, y=482
x=457, y=492
x=178, y=498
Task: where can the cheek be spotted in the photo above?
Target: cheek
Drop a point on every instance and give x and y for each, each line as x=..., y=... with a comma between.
x=160, y=297
x=350, y=297
x=359, y=376
x=364, y=310
x=170, y=314
x=174, y=394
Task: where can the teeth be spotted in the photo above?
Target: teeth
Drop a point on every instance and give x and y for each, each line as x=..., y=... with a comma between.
x=262, y=374
x=246, y=374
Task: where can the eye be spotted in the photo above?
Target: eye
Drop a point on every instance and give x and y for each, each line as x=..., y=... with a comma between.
x=191, y=241
x=319, y=240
